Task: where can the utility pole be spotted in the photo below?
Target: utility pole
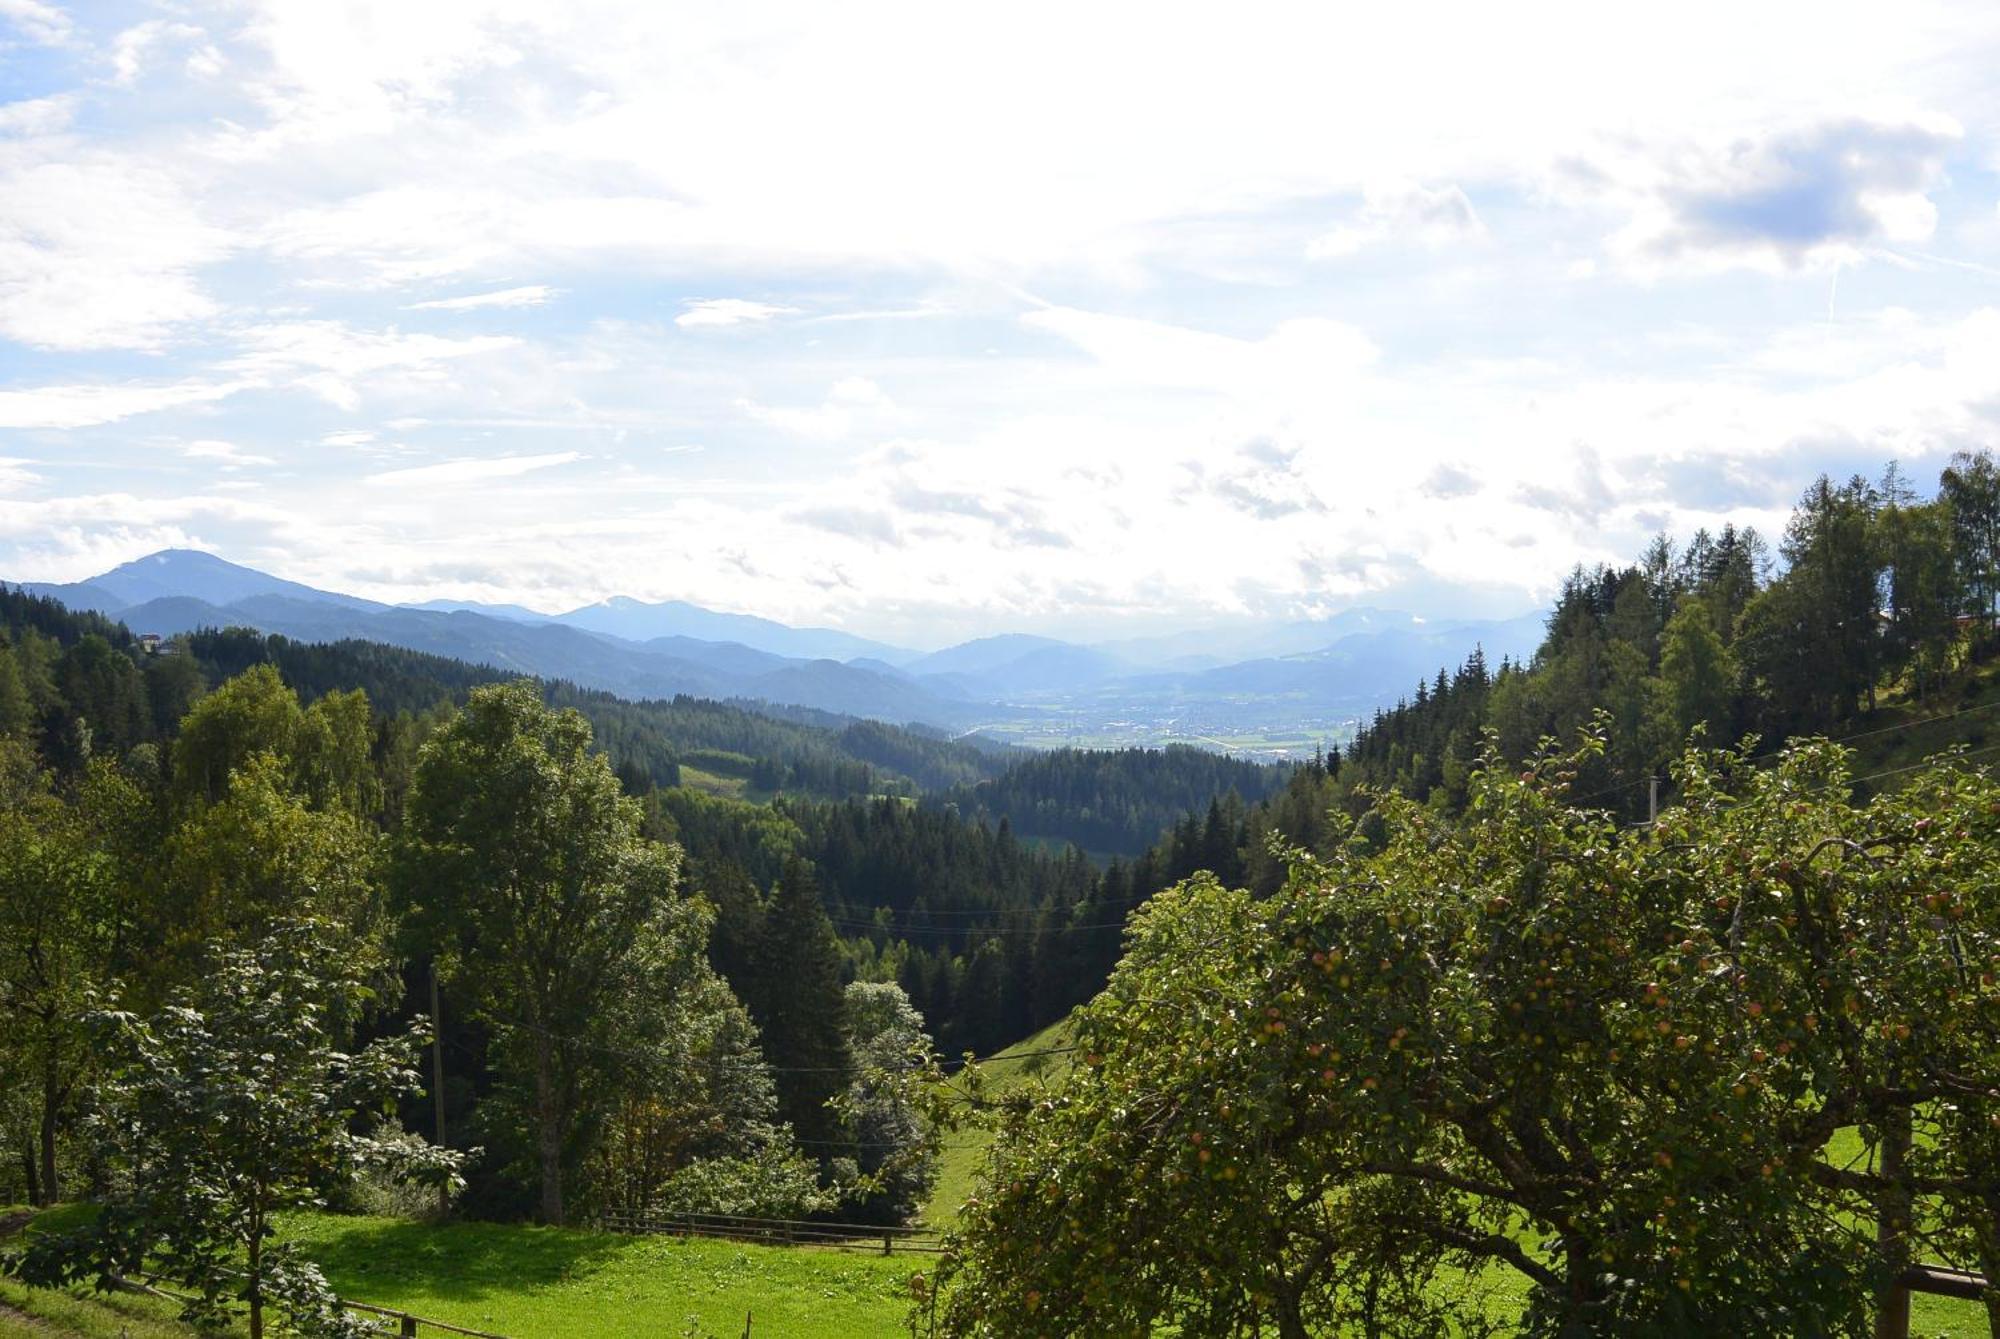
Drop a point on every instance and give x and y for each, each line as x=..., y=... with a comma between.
x=437, y=1079
x=1652, y=800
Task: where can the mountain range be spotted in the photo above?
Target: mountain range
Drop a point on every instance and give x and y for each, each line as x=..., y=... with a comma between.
x=1296, y=681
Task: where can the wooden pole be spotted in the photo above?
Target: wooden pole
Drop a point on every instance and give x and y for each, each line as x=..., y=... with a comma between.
x=1892, y=1228
x=437, y=1080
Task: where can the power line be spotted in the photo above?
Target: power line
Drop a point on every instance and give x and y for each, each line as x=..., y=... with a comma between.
x=1794, y=742
x=1910, y=767
x=1884, y=730
x=1004, y=911
x=971, y=930
x=745, y=1065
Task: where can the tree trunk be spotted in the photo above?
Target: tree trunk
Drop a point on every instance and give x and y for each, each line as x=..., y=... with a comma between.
x=1291, y=1325
x=32, y=1175
x=1580, y=1273
x=1989, y=1263
x=548, y=1122
x=254, y=1293
x=52, y=1097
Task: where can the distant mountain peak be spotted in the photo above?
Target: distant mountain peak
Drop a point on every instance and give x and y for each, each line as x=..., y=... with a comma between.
x=201, y=575
x=179, y=558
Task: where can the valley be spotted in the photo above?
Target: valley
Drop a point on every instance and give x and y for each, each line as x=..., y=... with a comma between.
x=1300, y=686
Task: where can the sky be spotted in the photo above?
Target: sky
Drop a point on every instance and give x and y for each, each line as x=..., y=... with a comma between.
x=933, y=321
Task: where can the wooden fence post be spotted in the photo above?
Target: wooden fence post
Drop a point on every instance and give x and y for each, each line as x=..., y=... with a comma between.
x=1892, y=1229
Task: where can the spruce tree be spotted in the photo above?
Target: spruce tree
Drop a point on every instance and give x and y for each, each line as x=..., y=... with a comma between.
x=800, y=1007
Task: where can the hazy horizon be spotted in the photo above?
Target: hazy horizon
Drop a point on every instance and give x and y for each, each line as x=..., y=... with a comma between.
x=927, y=326
x=1105, y=637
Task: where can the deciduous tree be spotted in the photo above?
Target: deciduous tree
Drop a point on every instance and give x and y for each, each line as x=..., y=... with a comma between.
x=523, y=868
x=1608, y=1061
x=224, y=1109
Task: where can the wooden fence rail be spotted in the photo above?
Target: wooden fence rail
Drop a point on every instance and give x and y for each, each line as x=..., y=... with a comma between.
x=1893, y=1320
x=408, y=1326
x=780, y=1231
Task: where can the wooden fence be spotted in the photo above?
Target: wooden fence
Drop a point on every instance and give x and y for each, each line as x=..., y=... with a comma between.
x=1893, y=1320
x=779, y=1231
x=406, y=1325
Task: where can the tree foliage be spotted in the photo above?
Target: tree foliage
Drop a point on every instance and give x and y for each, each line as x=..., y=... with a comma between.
x=58, y=940
x=230, y=1105
x=1606, y=1060
x=521, y=866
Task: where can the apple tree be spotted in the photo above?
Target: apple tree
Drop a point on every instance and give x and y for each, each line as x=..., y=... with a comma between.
x=1602, y=1064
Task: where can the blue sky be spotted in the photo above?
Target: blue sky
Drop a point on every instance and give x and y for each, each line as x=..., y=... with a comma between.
x=929, y=322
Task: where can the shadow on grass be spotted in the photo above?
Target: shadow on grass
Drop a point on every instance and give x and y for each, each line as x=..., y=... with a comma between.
x=461, y=1261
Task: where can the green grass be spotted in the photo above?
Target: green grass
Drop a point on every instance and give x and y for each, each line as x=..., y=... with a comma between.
x=553, y=1283
x=729, y=787
x=42, y=1313
x=1903, y=732
x=965, y=1150
x=39, y=1313
x=540, y=1283
x=559, y=1283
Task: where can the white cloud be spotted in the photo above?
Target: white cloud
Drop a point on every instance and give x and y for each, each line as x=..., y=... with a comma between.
x=226, y=455
x=470, y=470
x=100, y=250
x=1310, y=359
x=87, y=405
x=851, y=403
x=37, y=116
x=242, y=246
x=16, y=474
x=1818, y=195
x=134, y=47
x=333, y=360
x=37, y=21
x=810, y=157
x=530, y=295
x=728, y=311
x=1402, y=213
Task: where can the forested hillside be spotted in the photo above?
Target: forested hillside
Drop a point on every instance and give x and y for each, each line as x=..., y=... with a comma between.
x=1872, y=594
x=58, y=673
x=756, y=956
x=1113, y=800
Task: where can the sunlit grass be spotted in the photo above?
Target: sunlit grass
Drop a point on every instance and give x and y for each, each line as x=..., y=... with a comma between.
x=565, y=1283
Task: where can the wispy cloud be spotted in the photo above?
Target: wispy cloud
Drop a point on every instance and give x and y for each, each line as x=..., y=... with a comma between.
x=529, y=295
x=37, y=116
x=469, y=470
x=1408, y=214
x=37, y=21
x=851, y=402
x=89, y=405
x=136, y=45
x=225, y=454
x=715, y=312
